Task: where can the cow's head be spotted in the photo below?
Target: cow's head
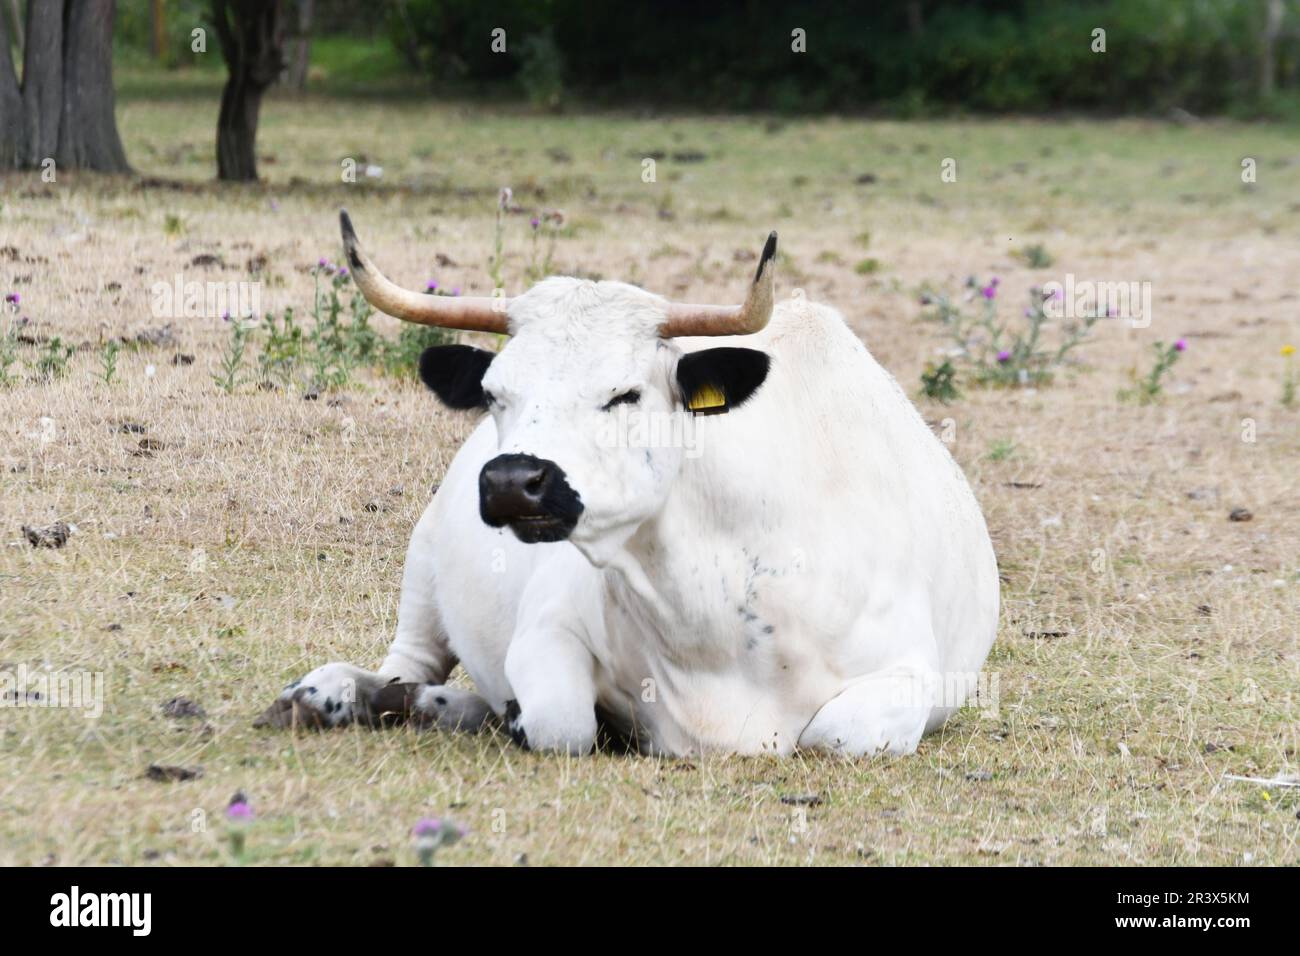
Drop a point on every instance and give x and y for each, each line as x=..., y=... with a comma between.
x=586, y=361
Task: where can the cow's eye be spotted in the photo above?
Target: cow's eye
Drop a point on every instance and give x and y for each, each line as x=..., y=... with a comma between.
x=627, y=398
x=490, y=400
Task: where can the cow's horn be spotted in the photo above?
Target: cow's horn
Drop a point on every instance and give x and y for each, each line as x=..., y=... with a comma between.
x=684, y=319
x=471, y=313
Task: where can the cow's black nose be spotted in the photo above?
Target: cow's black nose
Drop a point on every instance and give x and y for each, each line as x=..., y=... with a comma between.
x=516, y=486
x=531, y=495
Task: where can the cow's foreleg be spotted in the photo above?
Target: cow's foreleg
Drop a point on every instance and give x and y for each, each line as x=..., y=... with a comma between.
x=408, y=684
x=882, y=712
x=550, y=671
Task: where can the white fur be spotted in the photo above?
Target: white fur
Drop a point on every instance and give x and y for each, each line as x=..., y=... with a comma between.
x=820, y=559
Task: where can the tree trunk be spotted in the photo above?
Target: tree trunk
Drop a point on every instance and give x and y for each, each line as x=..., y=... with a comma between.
x=300, y=59
x=43, y=83
x=158, y=43
x=406, y=37
x=63, y=110
x=253, y=48
x=1268, y=48
x=11, y=105
x=16, y=18
x=87, y=130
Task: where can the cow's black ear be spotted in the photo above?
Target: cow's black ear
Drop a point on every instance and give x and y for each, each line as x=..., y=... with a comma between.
x=455, y=374
x=717, y=380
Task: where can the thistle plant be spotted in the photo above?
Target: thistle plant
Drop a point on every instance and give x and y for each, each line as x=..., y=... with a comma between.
x=329, y=356
x=998, y=353
x=403, y=356
x=1288, y=376
x=282, y=349
x=340, y=338
x=239, y=818
x=228, y=377
x=549, y=224
x=108, y=360
x=53, y=362
x=1151, y=386
x=431, y=835
x=495, y=264
x=939, y=382
x=8, y=352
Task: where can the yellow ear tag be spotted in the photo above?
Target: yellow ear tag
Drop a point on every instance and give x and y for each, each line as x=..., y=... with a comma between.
x=708, y=398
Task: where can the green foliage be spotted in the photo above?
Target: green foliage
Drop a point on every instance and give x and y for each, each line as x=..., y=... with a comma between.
x=541, y=71
x=452, y=40
x=108, y=360
x=402, y=358
x=133, y=29
x=1036, y=256
x=496, y=263
x=229, y=376
x=939, y=382
x=326, y=353
x=991, y=55
x=1288, y=376
x=8, y=353
x=546, y=230
x=1001, y=450
x=867, y=266
x=329, y=355
x=1148, y=388
x=282, y=349
x=52, y=363
x=1000, y=353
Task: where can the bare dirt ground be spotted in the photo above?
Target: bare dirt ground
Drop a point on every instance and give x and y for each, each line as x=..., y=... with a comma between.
x=225, y=544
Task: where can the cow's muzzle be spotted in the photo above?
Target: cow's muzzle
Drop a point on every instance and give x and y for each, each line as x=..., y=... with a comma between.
x=530, y=495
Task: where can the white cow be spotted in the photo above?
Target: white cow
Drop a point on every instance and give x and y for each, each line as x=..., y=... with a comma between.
x=808, y=568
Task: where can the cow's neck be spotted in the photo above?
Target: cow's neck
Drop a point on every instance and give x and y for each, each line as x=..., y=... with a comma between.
x=677, y=565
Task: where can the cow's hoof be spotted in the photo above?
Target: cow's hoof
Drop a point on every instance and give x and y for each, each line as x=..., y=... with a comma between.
x=430, y=705
x=559, y=731
x=330, y=696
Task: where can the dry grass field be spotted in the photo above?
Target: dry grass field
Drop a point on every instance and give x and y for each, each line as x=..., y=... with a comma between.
x=225, y=544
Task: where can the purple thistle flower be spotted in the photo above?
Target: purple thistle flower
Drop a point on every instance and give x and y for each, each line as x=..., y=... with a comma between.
x=1004, y=356
x=238, y=814
x=536, y=222
x=1181, y=345
x=456, y=290
x=431, y=286
x=431, y=834
x=225, y=316
x=343, y=272
x=322, y=263
x=991, y=289
x=13, y=297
